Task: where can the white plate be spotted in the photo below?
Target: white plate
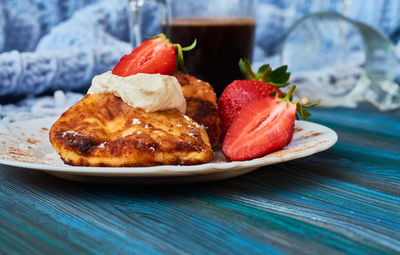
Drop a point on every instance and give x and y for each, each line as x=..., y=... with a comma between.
x=25, y=144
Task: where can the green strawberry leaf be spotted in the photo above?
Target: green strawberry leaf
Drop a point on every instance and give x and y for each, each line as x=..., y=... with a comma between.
x=180, y=60
x=245, y=68
x=279, y=77
x=301, y=109
x=263, y=72
x=179, y=55
x=191, y=47
x=302, y=112
x=313, y=104
x=159, y=36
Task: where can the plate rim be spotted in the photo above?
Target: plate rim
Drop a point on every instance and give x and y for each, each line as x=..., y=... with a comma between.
x=175, y=170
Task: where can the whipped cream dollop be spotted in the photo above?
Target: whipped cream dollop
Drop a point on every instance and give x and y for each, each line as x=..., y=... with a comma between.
x=150, y=92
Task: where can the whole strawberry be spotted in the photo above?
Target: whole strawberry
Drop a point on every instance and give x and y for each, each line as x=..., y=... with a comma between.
x=156, y=55
x=263, y=126
x=241, y=92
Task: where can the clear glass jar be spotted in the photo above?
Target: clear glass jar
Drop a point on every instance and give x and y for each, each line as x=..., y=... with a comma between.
x=341, y=62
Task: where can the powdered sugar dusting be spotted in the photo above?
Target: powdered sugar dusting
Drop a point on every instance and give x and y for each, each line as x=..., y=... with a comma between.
x=191, y=121
x=74, y=133
x=136, y=121
x=102, y=145
x=29, y=143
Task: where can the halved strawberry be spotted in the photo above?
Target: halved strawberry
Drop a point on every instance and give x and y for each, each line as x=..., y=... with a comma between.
x=237, y=95
x=263, y=126
x=156, y=55
x=240, y=92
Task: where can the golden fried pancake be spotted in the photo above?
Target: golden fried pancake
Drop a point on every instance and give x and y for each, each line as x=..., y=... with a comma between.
x=102, y=130
x=201, y=104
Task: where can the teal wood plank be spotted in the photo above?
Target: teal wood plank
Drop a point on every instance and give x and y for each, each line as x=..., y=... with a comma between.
x=342, y=201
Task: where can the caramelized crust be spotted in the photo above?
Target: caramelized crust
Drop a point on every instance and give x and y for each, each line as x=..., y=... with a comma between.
x=201, y=104
x=102, y=130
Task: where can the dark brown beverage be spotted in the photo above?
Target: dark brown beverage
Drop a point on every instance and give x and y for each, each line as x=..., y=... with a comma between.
x=220, y=45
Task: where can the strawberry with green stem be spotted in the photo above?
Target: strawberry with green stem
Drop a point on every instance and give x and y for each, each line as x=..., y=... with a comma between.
x=156, y=55
x=263, y=126
x=241, y=92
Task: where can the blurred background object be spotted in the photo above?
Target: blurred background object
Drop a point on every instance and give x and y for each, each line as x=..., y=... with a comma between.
x=341, y=62
x=60, y=45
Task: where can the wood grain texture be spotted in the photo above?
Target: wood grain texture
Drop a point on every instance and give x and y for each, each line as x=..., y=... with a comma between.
x=344, y=200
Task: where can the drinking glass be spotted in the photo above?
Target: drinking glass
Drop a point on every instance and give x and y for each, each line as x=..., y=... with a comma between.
x=224, y=30
x=341, y=62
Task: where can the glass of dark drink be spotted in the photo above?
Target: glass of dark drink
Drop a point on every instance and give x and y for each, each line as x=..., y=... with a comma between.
x=224, y=30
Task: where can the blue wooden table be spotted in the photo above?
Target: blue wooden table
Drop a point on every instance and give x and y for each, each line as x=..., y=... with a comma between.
x=344, y=200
